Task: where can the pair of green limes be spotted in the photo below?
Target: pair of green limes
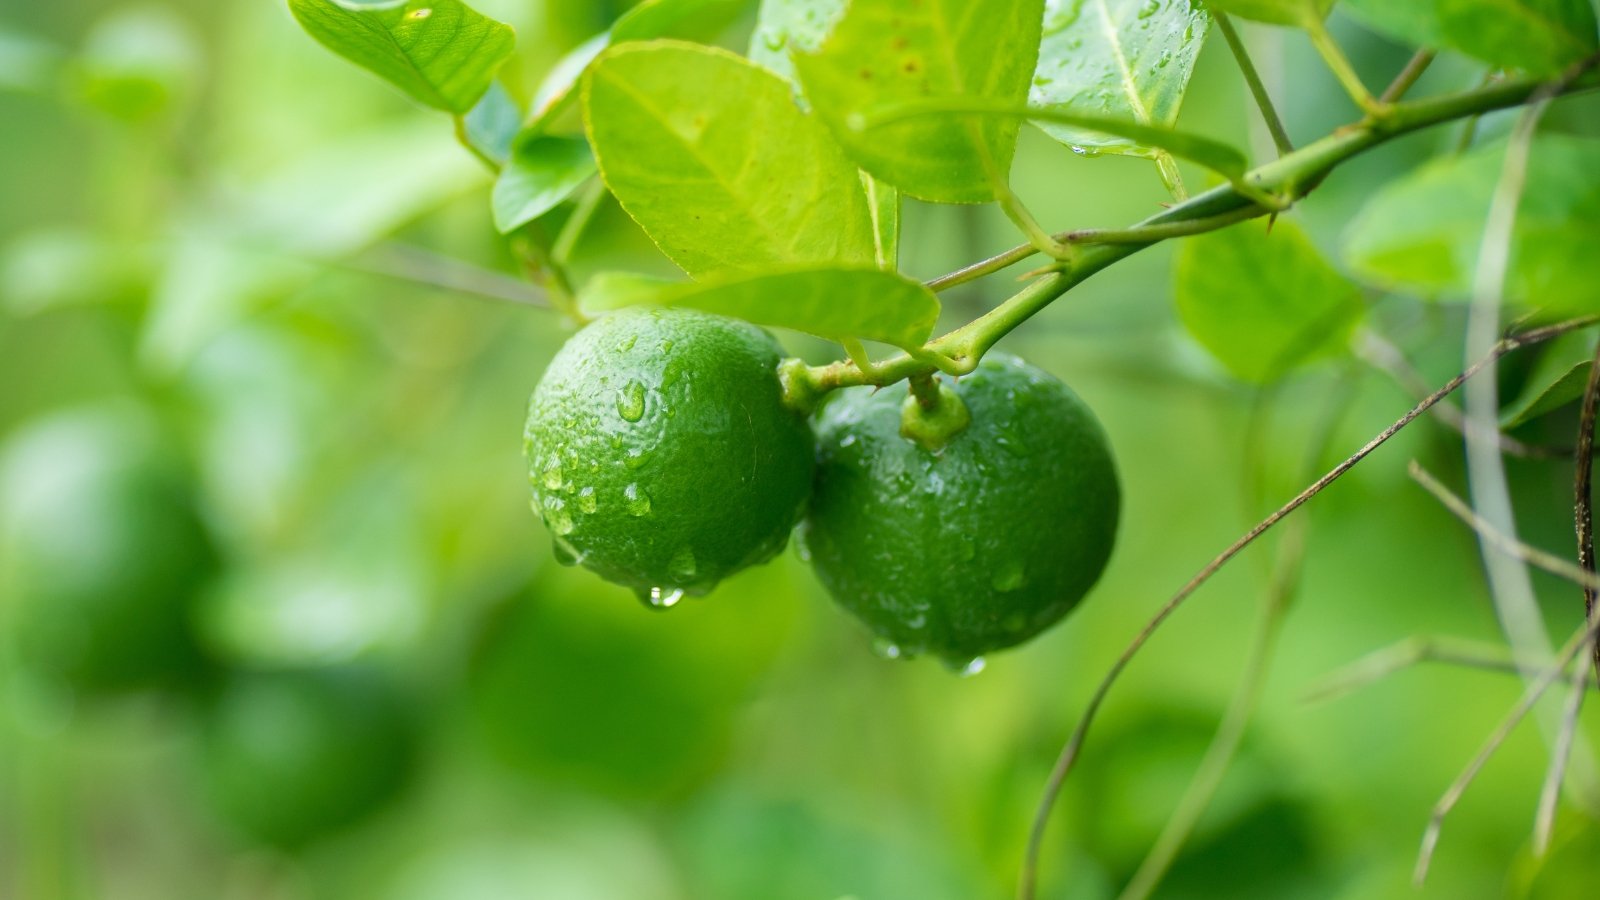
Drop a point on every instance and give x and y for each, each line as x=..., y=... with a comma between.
x=663, y=457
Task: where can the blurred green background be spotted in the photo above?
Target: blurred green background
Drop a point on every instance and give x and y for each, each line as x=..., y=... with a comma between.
x=263, y=276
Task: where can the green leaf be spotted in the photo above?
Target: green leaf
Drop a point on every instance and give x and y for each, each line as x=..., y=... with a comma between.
x=887, y=53
x=1422, y=233
x=1540, y=36
x=440, y=52
x=491, y=127
x=1279, y=12
x=1263, y=301
x=710, y=155
x=833, y=302
x=543, y=171
x=1558, y=378
x=1116, y=59
x=693, y=20
x=696, y=20
x=784, y=27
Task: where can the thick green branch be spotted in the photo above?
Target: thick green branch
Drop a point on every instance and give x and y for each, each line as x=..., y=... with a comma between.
x=1290, y=177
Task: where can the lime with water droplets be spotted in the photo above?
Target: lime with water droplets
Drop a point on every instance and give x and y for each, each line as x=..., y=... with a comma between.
x=978, y=545
x=661, y=453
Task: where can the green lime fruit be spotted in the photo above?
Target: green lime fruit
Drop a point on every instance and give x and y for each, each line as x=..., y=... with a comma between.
x=661, y=453
x=102, y=552
x=974, y=546
x=290, y=756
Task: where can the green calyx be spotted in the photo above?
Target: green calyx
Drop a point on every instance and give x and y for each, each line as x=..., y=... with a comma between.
x=932, y=415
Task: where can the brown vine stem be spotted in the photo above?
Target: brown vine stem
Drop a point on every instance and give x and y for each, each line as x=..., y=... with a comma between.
x=1069, y=753
x=1583, y=495
x=1583, y=524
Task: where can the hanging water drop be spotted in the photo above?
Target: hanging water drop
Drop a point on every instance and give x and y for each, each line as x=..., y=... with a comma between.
x=886, y=649
x=966, y=668
x=661, y=597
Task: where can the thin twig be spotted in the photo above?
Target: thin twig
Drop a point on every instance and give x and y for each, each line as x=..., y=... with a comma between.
x=1137, y=235
x=1340, y=66
x=1380, y=664
x=415, y=264
x=1252, y=80
x=1387, y=358
x=1530, y=696
x=1407, y=77
x=1074, y=744
x=1498, y=539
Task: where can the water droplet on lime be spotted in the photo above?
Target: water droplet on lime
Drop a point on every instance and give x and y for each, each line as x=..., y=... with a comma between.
x=551, y=476
x=586, y=500
x=630, y=401
x=638, y=502
x=1008, y=577
x=683, y=565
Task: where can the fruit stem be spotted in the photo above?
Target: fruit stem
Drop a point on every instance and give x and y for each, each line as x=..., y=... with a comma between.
x=932, y=413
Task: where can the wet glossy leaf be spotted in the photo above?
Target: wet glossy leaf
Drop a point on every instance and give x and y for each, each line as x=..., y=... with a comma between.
x=1423, y=232
x=1540, y=36
x=710, y=155
x=834, y=303
x=1263, y=301
x=441, y=52
x=884, y=54
x=543, y=171
x=1276, y=12
x=1120, y=59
